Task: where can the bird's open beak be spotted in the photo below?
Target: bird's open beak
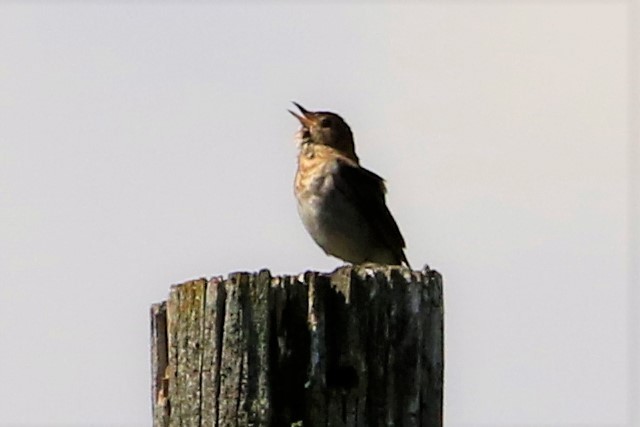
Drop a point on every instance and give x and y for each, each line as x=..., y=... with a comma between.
x=306, y=119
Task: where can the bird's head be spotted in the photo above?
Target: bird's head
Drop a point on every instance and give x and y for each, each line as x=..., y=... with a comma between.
x=325, y=128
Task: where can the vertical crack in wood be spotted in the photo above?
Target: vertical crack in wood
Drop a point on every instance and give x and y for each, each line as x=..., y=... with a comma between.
x=202, y=346
x=411, y=348
x=373, y=297
x=159, y=362
x=243, y=376
x=231, y=356
x=392, y=315
x=240, y=415
x=289, y=350
x=214, y=312
x=258, y=350
x=173, y=314
x=220, y=317
x=316, y=404
x=277, y=350
x=436, y=348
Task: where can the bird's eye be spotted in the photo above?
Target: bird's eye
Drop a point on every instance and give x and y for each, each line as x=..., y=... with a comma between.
x=325, y=123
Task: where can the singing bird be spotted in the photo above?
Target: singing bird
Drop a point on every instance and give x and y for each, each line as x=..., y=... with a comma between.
x=341, y=204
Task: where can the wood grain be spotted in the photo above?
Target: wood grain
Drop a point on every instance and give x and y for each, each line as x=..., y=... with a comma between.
x=362, y=346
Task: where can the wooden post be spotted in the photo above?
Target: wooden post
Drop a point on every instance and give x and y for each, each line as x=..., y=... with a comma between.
x=362, y=346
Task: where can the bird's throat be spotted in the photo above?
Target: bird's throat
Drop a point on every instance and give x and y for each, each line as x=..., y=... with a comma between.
x=310, y=150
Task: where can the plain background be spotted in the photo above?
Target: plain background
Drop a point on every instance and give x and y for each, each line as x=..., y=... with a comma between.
x=146, y=144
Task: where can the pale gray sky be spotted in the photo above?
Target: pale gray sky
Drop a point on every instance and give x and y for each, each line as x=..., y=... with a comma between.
x=143, y=145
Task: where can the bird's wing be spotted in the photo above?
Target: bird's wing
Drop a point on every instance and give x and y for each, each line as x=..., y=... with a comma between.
x=367, y=190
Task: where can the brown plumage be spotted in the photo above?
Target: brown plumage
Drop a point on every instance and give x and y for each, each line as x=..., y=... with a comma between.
x=342, y=204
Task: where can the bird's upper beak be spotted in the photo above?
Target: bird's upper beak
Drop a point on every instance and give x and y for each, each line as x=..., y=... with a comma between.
x=306, y=119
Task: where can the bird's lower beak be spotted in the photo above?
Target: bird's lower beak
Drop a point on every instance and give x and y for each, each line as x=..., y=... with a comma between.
x=306, y=119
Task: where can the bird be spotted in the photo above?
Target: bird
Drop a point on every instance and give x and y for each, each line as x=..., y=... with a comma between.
x=341, y=204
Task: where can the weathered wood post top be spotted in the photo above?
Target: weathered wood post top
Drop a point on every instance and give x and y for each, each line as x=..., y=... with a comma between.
x=362, y=346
